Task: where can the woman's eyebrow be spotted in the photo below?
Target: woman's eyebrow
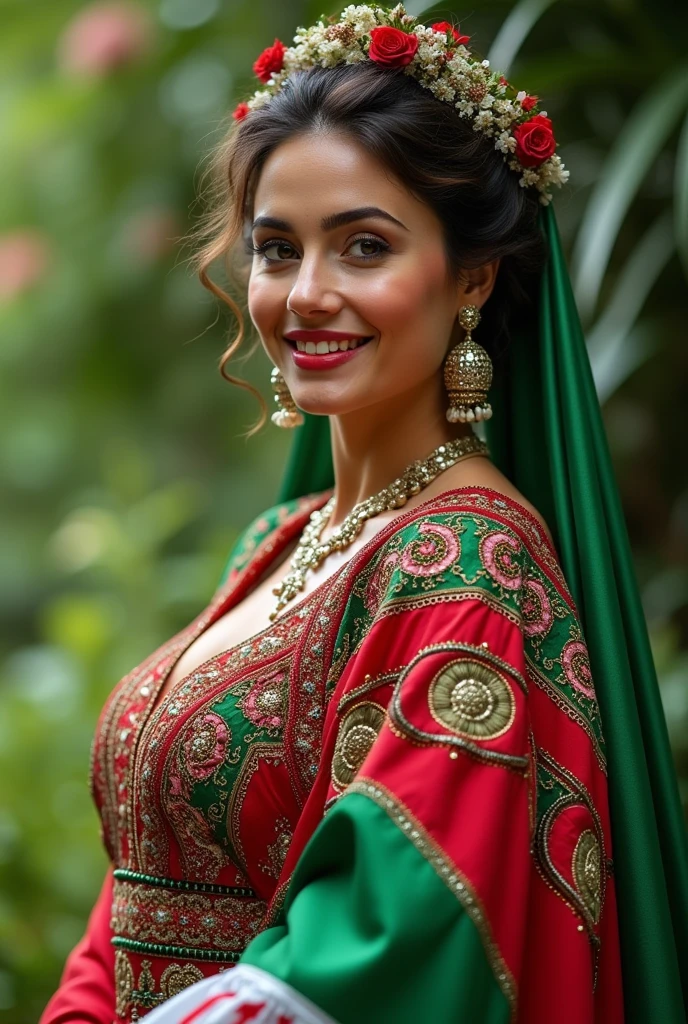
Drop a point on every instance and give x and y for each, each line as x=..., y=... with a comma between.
x=335, y=220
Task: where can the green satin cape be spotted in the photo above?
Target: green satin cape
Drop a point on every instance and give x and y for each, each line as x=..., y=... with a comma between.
x=548, y=438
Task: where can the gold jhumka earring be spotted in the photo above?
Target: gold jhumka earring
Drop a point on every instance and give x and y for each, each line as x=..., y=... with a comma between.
x=287, y=414
x=468, y=374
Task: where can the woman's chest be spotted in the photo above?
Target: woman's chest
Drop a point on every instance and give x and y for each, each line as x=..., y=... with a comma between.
x=206, y=782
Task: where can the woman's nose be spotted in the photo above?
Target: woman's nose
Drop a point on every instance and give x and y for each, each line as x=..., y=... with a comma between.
x=313, y=290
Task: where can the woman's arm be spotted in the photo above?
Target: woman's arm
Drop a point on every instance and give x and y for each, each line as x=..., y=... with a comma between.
x=383, y=920
x=87, y=989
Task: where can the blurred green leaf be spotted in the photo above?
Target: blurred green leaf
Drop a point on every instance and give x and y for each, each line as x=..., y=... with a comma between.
x=630, y=158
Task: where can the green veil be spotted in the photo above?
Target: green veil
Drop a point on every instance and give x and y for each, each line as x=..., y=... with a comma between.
x=548, y=437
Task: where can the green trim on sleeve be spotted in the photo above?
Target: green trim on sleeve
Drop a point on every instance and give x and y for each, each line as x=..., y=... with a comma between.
x=371, y=933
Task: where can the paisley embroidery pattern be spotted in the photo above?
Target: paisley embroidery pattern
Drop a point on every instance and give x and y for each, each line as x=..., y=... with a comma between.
x=569, y=846
x=205, y=744
x=411, y=724
x=576, y=666
x=264, y=704
x=472, y=699
x=499, y=553
x=358, y=731
x=536, y=608
x=431, y=553
x=586, y=869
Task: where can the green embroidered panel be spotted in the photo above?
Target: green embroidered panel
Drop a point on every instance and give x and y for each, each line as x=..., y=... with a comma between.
x=453, y=556
x=255, y=533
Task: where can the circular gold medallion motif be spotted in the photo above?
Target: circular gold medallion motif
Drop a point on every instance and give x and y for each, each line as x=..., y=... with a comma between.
x=472, y=700
x=358, y=731
x=587, y=872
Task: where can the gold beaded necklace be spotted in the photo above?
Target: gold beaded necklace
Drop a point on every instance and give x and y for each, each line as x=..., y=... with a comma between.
x=310, y=552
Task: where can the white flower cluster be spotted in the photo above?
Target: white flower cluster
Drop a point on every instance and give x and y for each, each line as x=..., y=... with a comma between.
x=440, y=65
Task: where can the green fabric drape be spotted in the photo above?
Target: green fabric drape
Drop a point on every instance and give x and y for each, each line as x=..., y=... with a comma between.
x=389, y=917
x=547, y=436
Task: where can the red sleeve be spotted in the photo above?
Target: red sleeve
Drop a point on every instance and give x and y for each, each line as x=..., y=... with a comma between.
x=87, y=990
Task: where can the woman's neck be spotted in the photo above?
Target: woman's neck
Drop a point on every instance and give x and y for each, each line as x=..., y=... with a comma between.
x=373, y=446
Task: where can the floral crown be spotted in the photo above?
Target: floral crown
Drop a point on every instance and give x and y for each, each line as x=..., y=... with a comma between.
x=438, y=59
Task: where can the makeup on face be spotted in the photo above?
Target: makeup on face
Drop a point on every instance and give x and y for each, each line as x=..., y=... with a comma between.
x=323, y=350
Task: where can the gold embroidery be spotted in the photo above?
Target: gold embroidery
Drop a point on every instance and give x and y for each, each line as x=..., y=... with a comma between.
x=587, y=872
x=147, y=914
x=124, y=982
x=370, y=683
x=145, y=993
x=401, y=725
x=177, y=977
x=472, y=699
x=358, y=731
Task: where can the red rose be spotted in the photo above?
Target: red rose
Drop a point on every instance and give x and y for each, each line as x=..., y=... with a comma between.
x=270, y=60
x=240, y=111
x=535, y=141
x=529, y=102
x=391, y=47
x=444, y=26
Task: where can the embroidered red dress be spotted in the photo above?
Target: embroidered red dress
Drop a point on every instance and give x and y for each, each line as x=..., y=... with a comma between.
x=393, y=800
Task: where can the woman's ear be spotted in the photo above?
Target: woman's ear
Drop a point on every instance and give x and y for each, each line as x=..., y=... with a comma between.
x=476, y=284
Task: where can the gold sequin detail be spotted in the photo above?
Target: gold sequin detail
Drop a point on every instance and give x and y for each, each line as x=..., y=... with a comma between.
x=358, y=731
x=587, y=872
x=472, y=699
x=124, y=982
x=177, y=977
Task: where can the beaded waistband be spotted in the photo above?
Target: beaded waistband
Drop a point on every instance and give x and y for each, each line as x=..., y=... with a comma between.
x=167, y=917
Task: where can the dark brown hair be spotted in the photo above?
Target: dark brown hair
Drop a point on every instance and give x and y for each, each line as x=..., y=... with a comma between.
x=424, y=142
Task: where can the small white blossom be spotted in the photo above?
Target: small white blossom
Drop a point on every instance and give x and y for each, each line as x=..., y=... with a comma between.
x=483, y=122
x=520, y=96
x=442, y=90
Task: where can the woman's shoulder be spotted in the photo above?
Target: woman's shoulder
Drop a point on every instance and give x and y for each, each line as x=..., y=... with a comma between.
x=484, y=473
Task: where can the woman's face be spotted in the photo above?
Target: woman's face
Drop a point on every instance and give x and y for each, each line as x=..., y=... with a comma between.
x=348, y=257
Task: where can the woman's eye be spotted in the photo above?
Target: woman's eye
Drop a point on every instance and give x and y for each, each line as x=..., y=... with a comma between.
x=275, y=252
x=369, y=248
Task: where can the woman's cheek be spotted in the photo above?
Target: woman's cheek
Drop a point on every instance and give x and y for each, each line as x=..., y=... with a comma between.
x=263, y=308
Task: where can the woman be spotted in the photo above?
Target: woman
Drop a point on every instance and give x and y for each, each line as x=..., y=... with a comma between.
x=392, y=771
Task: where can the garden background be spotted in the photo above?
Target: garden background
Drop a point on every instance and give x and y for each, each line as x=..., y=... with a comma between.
x=123, y=468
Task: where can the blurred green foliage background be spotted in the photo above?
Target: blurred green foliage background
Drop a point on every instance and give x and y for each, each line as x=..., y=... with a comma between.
x=125, y=478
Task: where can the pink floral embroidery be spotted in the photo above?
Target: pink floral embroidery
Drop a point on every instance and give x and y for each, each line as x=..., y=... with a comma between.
x=536, y=608
x=434, y=554
x=576, y=665
x=205, y=744
x=379, y=581
x=264, y=703
x=497, y=552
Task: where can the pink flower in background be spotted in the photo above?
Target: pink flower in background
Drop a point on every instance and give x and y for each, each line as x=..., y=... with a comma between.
x=24, y=257
x=105, y=36
x=151, y=234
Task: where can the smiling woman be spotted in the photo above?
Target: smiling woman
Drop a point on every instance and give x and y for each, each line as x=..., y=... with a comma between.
x=394, y=770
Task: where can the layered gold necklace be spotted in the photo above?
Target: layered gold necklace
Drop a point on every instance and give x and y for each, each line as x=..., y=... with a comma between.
x=310, y=552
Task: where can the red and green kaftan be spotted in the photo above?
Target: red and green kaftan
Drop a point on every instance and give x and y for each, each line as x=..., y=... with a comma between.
x=391, y=805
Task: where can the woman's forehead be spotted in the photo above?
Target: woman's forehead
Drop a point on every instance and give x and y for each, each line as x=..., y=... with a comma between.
x=318, y=174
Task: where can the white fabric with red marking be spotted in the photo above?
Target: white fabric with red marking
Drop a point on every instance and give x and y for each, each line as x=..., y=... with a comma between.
x=239, y=996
